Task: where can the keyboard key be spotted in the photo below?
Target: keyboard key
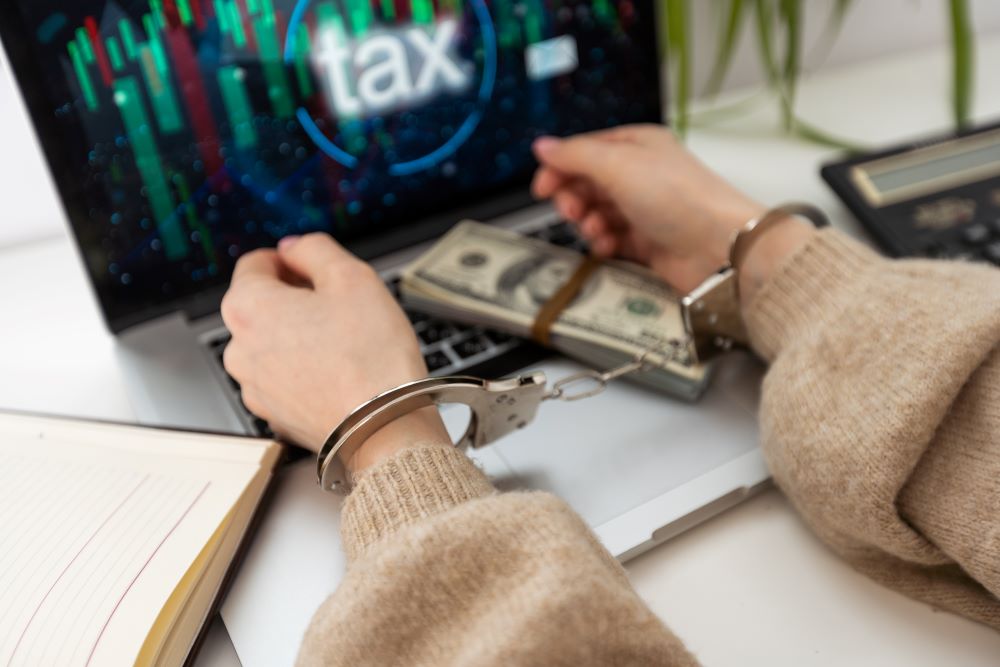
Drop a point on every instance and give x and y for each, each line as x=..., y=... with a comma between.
x=416, y=318
x=462, y=329
x=498, y=337
x=435, y=331
x=472, y=346
x=436, y=361
x=992, y=252
x=976, y=234
x=563, y=235
x=220, y=343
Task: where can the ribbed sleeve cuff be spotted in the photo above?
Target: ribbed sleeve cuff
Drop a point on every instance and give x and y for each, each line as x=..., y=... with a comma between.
x=410, y=486
x=811, y=288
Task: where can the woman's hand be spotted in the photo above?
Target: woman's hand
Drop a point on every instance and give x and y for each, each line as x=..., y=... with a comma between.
x=636, y=192
x=315, y=334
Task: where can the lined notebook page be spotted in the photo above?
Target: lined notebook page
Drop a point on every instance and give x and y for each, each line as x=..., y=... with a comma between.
x=99, y=525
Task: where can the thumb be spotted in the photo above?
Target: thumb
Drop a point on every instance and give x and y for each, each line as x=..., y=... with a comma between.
x=313, y=256
x=583, y=156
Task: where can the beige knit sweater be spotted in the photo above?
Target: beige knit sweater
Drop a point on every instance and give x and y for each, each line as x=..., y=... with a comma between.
x=880, y=420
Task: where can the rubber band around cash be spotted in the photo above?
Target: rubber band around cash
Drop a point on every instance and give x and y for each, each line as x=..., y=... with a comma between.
x=541, y=329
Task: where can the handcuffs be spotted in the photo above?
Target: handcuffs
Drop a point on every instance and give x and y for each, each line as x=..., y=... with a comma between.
x=712, y=322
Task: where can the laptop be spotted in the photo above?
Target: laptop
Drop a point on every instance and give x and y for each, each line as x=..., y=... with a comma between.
x=182, y=134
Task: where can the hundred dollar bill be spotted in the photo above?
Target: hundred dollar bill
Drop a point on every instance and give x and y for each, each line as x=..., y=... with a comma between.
x=483, y=275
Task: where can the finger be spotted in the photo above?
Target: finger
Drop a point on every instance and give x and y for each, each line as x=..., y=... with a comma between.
x=546, y=182
x=605, y=246
x=585, y=156
x=259, y=263
x=253, y=402
x=594, y=225
x=569, y=205
x=313, y=256
x=232, y=361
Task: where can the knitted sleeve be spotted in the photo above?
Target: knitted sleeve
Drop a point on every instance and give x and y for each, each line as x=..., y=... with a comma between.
x=445, y=571
x=880, y=414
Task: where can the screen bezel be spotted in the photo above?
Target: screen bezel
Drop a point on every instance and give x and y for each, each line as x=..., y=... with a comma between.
x=25, y=68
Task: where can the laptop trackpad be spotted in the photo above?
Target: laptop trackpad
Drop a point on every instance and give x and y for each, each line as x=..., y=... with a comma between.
x=609, y=454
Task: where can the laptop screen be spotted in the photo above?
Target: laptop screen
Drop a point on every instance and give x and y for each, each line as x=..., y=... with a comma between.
x=184, y=133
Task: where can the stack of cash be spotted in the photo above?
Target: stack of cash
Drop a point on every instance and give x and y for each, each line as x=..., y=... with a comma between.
x=491, y=277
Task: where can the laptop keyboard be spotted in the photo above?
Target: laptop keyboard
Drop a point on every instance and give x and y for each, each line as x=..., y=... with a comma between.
x=450, y=348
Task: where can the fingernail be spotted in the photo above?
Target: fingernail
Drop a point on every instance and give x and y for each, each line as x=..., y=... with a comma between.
x=287, y=242
x=544, y=145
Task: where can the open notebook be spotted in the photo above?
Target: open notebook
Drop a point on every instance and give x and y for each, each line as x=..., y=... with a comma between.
x=117, y=540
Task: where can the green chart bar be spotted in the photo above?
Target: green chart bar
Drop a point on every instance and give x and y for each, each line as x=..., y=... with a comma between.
x=274, y=67
x=82, y=76
x=128, y=39
x=184, y=12
x=329, y=20
x=222, y=14
x=115, y=54
x=533, y=25
x=83, y=43
x=157, y=8
x=508, y=30
x=422, y=11
x=303, y=48
x=168, y=114
x=237, y=103
x=194, y=222
x=604, y=11
x=128, y=99
x=236, y=23
x=360, y=12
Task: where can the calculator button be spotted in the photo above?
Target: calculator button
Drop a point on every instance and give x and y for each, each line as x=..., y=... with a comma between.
x=976, y=234
x=995, y=226
x=992, y=253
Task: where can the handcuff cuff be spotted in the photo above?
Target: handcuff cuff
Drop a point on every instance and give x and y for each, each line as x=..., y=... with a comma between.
x=712, y=324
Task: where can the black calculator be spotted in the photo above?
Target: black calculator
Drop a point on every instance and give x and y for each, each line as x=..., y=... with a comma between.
x=932, y=198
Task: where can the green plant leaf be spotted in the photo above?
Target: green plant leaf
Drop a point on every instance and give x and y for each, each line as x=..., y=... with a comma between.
x=809, y=132
x=790, y=12
x=962, y=43
x=824, y=44
x=765, y=39
x=679, y=54
x=840, y=9
x=730, y=31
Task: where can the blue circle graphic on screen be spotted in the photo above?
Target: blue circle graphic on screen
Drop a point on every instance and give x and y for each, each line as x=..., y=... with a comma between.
x=442, y=152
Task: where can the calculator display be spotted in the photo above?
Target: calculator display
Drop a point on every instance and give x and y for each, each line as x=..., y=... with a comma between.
x=928, y=170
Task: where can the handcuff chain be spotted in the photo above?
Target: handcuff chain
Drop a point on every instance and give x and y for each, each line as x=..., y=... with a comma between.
x=600, y=379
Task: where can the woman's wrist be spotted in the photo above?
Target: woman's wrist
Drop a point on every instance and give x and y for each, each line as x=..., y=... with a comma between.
x=768, y=252
x=421, y=428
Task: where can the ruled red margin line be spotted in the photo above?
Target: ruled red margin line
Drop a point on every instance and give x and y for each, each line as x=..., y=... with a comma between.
x=24, y=631
x=144, y=565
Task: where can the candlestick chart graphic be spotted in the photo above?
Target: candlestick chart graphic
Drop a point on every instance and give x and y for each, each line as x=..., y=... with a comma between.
x=212, y=127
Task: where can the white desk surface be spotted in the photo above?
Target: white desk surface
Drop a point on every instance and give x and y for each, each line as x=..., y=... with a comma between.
x=751, y=587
